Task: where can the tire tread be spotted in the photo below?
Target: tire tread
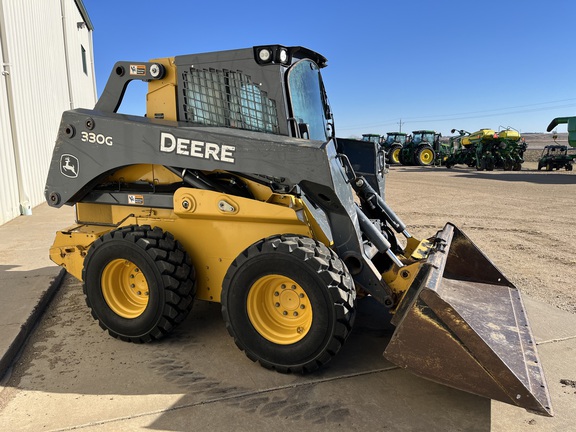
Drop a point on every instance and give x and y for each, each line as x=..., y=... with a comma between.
x=171, y=261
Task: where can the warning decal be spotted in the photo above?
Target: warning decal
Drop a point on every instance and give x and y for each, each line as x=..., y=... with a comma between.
x=137, y=70
x=136, y=199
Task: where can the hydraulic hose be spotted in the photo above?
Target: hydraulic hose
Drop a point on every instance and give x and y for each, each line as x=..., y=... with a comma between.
x=375, y=201
x=376, y=237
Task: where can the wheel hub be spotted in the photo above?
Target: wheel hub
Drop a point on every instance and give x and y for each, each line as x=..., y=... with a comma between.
x=279, y=309
x=125, y=288
x=426, y=156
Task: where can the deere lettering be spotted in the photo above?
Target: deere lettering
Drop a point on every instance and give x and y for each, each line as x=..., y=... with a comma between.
x=199, y=149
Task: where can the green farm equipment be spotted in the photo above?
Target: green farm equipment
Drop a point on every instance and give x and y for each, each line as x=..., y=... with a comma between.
x=463, y=153
x=393, y=146
x=556, y=156
x=571, y=121
x=375, y=138
x=419, y=149
x=486, y=149
x=509, y=148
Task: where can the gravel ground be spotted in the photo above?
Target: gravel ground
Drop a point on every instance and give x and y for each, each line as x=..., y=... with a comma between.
x=524, y=221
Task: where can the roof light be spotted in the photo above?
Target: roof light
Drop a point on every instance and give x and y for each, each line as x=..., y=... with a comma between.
x=265, y=55
x=283, y=55
x=273, y=54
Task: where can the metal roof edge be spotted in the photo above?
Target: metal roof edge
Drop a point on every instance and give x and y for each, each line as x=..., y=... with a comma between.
x=84, y=14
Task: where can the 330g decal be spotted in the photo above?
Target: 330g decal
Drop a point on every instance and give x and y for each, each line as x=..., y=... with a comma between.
x=93, y=138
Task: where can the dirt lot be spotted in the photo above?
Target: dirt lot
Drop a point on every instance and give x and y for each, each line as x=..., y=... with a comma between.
x=525, y=221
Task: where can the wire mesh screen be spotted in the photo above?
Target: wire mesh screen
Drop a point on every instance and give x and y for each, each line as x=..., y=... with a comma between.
x=227, y=98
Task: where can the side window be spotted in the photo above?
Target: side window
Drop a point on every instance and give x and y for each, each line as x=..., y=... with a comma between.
x=216, y=97
x=84, y=63
x=308, y=100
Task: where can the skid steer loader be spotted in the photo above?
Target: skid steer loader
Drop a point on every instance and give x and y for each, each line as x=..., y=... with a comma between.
x=234, y=189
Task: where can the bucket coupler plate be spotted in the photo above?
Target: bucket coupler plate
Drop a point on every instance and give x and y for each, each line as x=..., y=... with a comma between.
x=463, y=324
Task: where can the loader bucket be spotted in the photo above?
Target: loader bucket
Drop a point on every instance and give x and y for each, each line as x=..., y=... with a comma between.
x=463, y=324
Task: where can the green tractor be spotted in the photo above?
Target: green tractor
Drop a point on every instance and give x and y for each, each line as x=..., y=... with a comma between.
x=393, y=146
x=375, y=138
x=419, y=148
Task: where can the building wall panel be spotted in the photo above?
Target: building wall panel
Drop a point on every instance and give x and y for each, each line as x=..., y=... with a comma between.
x=39, y=86
x=43, y=45
x=78, y=37
x=9, y=202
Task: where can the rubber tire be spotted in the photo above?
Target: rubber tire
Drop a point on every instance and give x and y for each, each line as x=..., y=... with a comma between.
x=418, y=159
x=168, y=272
x=569, y=167
x=391, y=159
x=404, y=157
x=327, y=283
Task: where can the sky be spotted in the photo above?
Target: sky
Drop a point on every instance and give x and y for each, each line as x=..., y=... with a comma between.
x=392, y=65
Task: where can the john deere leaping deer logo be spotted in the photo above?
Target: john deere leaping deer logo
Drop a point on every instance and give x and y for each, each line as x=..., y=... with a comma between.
x=69, y=166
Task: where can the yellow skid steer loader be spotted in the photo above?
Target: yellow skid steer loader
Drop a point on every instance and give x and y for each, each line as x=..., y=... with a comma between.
x=234, y=189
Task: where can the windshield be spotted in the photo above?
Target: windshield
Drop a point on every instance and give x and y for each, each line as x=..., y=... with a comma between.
x=372, y=138
x=308, y=100
x=392, y=138
x=419, y=137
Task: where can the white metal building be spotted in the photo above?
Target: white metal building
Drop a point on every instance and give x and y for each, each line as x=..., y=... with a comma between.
x=47, y=67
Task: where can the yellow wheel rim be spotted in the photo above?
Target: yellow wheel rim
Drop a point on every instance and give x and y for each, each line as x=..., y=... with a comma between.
x=124, y=288
x=279, y=309
x=396, y=156
x=426, y=156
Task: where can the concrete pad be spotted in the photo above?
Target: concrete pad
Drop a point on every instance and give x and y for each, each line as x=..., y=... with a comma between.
x=558, y=362
x=555, y=333
x=28, y=278
x=73, y=375
x=380, y=401
x=549, y=323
